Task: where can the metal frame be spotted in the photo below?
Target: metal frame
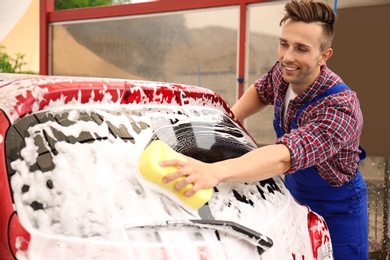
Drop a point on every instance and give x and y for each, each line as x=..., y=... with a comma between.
x=48, y=15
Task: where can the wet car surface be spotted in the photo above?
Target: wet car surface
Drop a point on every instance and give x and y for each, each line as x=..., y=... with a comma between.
x=71, y=186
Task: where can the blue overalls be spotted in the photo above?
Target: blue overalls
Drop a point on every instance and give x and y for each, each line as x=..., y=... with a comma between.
x=344, y=208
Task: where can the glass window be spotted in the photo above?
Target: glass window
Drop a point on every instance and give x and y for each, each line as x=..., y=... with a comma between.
x=194, y=47
x=264, y=31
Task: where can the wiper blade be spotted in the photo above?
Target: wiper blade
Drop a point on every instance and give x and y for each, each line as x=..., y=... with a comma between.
x=230, y=228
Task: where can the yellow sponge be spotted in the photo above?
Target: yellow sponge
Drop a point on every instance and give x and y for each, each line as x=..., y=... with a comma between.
x=150, y=169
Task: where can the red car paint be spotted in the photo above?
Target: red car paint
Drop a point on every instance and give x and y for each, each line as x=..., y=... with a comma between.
x=13, y=235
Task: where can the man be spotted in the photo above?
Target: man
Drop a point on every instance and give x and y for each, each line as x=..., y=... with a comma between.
x=318, y=122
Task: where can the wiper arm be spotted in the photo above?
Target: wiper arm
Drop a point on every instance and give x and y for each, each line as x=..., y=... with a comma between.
x=260, y=241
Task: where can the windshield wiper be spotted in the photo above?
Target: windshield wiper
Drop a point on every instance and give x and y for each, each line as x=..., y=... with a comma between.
x=230, y=228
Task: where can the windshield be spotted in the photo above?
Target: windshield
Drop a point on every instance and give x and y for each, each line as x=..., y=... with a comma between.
x=84, y=160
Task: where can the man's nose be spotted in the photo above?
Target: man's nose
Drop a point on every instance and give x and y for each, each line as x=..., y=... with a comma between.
x=289, y=55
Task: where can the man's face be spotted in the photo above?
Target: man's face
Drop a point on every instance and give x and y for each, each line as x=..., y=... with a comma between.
x=299, y=54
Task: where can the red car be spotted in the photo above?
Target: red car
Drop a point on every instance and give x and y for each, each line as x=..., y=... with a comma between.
x=71, y=188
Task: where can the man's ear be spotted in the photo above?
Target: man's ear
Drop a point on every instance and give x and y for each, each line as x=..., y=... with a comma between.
x=325, y=55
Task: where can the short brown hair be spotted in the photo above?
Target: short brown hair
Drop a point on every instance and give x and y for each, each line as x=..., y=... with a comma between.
x=309, y=11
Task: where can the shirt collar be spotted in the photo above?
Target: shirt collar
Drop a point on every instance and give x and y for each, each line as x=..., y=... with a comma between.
x=318, y=86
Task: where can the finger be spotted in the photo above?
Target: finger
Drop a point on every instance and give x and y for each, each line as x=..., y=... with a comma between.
x=172, y=176
x=187, y=186
x=172, y=163
x=191, y=191
x=184, y=184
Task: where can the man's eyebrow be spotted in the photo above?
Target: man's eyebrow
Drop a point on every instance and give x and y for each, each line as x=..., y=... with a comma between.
x=300, y=45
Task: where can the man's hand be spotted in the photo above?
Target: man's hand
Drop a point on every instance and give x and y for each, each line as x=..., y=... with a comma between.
x=199, y=174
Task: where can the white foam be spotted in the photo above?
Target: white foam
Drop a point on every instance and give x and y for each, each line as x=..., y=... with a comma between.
x=97, y=194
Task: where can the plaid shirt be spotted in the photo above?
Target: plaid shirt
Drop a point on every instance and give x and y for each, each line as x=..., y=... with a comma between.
x=328, y=131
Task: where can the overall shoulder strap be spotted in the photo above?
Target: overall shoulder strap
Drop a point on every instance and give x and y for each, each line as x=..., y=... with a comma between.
x=330, y=91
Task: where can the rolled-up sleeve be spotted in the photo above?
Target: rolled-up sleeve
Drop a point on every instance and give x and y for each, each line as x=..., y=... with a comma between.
x=265, y=86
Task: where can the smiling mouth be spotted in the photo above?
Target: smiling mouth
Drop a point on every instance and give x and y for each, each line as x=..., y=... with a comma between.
x=290, y=68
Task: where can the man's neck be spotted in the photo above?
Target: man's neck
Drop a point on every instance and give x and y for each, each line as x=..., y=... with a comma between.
x=303, y=86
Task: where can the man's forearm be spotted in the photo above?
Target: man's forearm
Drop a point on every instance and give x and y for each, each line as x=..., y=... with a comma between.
x=248, y=104
x=259, y=164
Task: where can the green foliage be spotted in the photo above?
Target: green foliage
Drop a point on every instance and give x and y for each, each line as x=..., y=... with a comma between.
x=10, y=64
x=69, y=4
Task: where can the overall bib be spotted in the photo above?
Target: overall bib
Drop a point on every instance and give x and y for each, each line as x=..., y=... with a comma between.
x=344, y=208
